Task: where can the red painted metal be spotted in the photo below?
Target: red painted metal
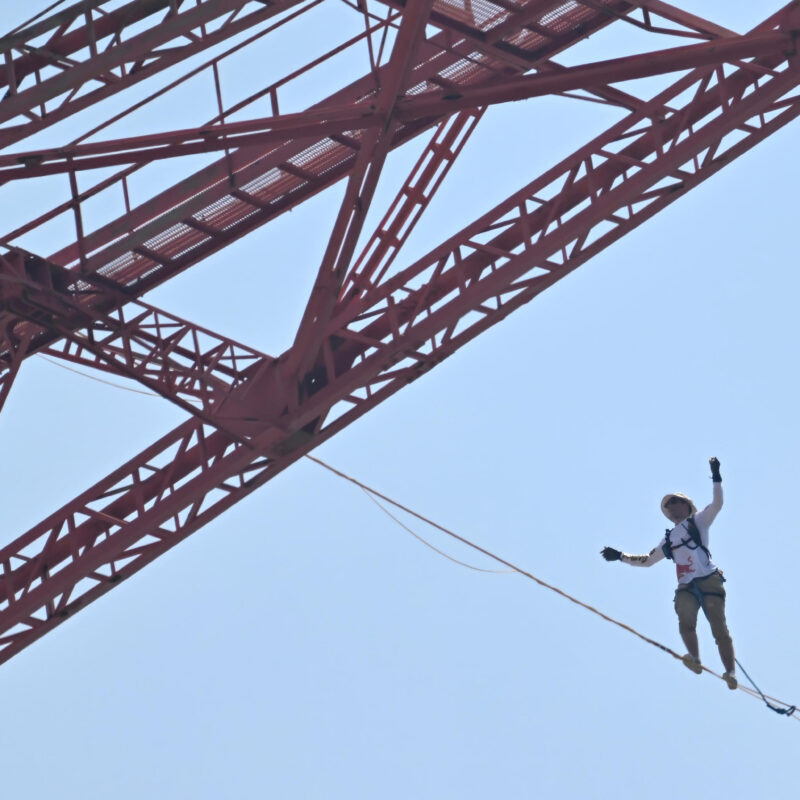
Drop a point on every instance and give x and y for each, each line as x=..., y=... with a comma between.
x=587, y=75
x=96, y=325
x=411, y=201
x=361, y=184
x=271, y=91
x=324, y=122
x=385, y=331
x=119, y=64
x=88, y=312
x=276, y=188
x=17, y=348
x=204, y=213
x=691, y=22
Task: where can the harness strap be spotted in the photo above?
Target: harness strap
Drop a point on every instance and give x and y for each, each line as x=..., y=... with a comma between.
x=694, y=539
x=693, y=587
x=699, y=594
x=694, y=532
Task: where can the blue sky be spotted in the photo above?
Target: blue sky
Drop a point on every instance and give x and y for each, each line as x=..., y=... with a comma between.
x=304, y=646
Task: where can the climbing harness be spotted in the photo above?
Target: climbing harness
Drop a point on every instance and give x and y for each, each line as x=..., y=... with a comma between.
x=694, y=542
x=694, y=588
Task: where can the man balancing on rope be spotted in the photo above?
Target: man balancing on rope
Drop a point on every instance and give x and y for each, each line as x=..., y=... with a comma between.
x=700, y=582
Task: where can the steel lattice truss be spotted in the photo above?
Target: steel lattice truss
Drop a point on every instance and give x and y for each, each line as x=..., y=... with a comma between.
x=370, y=327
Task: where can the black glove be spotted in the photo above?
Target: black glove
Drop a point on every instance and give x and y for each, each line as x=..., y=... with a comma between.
x=714, y=464
x=610, y=554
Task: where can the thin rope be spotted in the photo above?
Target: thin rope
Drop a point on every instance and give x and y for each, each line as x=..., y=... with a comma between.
x=99, y=380
x=789, y=710
x=428, y=544
x=513, y=568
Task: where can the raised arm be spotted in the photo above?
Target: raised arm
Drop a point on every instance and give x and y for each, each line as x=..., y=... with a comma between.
x=709, y=513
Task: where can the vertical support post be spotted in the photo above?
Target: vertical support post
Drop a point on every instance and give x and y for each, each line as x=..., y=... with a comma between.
x=11, y=73
x=221, y=110
x=76, y=210
x=126, y=193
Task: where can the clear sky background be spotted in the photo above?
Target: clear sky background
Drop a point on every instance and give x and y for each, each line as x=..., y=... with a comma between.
x=304, y=646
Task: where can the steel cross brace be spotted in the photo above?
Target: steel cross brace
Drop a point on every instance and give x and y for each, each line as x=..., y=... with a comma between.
x=97, y=325
x=384, y=340
x=425, y=178
x=119, y=65
x=361, y=185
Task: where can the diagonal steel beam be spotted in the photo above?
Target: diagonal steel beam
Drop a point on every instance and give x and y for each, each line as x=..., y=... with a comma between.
x=584, y=76
x=360, y=187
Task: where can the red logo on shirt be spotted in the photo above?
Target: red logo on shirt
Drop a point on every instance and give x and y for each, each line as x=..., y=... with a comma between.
x=684, y=569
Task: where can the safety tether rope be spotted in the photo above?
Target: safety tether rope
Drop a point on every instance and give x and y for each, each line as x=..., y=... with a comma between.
x=789, y=710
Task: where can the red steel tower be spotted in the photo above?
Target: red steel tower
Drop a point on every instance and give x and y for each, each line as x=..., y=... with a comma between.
x=372, y=324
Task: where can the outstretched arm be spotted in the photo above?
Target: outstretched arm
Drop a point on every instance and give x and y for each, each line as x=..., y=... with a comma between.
x=655, y=555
